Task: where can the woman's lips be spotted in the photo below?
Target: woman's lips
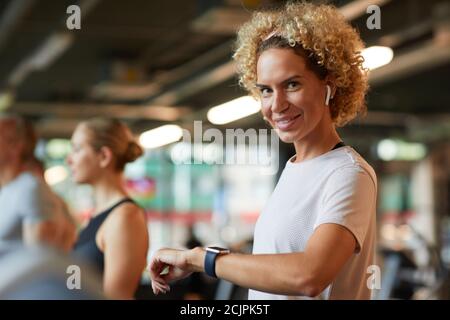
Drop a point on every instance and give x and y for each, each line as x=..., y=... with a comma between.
x=286, y=123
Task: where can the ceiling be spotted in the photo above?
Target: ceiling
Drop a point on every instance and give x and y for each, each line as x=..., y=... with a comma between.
x=154, y=62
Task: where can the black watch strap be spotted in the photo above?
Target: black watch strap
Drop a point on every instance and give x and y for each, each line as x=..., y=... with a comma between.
x=210, y=259
x=210, y=263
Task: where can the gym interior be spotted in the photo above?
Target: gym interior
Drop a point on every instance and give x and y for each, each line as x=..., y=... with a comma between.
x=162, y=66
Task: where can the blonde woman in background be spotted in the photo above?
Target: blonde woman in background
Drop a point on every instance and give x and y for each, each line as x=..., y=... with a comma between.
x=116, y=239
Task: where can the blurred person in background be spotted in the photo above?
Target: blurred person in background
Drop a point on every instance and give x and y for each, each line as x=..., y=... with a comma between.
x=315, y=238
x=29, y=212
x=116, y=240
x=66, y=230
x=39, y=273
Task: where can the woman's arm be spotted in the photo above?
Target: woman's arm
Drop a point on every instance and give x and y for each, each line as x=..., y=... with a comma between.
x=304, y=273
x=125, y=245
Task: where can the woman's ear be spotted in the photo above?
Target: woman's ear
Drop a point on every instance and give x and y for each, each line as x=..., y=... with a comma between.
x=106, y=157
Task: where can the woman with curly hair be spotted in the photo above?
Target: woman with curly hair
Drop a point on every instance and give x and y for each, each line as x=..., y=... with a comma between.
x=316, y=235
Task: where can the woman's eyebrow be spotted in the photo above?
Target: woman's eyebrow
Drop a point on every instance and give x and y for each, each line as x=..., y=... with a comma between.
x=292, y=78
x=297, y=76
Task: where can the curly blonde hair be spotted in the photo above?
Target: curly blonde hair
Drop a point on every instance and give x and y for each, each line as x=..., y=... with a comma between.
x=320, y=34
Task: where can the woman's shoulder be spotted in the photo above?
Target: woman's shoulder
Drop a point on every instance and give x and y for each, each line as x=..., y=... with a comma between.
x=126, y=213
x=127, y=210
x=347, y=157
x=360, y=162
x=350, y=165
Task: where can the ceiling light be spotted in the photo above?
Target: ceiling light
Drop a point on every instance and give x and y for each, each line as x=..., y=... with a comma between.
x=53, y=47
x=377, y=56
x=55, y=174
x=161, y=136
x=389, y=150
x=233, y=110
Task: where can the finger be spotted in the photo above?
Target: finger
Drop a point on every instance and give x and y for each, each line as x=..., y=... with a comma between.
x=168, y=258
x=159, y=278
x=156, y=268
x=163, y=287
x=155, y=265
x=161, y=284
x=172, y=257
x=157, y=288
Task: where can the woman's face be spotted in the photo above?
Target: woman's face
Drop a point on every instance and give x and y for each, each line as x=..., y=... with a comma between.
x=292, y=96
x=83, y=160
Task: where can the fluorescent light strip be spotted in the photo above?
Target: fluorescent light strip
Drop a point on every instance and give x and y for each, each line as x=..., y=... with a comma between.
x=377, y=56
x=160, y=136
x=233, y=110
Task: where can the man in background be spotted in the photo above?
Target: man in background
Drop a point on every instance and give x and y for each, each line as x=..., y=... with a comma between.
x=29, y=211
x=66, y=226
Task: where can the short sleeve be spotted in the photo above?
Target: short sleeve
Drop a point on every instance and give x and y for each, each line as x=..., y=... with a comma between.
x=35, y=203
x=349, y=199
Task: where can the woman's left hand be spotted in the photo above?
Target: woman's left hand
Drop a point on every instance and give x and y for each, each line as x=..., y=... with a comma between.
x=168, y=265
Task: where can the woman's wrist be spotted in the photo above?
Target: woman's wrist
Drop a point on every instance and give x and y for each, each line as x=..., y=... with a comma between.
x=196, y=259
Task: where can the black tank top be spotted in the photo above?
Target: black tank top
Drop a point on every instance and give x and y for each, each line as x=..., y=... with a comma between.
x=86, y=248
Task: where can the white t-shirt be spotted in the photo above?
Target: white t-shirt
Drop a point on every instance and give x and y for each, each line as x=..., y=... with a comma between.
x=336, y=187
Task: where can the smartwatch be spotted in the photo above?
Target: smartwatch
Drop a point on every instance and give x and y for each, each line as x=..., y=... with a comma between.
x=210, y=259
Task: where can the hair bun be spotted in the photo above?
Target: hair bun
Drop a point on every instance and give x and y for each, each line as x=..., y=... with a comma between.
x=133, y=151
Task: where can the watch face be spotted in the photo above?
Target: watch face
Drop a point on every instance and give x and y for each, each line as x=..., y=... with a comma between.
x=217, y=250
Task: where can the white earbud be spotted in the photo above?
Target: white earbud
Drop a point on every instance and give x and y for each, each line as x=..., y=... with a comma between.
x=327, y=99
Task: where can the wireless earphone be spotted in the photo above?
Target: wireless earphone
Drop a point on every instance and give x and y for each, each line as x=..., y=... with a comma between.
x=327, y=99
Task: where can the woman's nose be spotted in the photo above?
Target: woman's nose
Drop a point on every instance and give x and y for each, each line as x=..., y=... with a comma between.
x=279, y=102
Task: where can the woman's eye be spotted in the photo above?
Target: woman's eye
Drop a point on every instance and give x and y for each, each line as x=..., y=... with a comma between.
x=293, y=85
x=265, y=91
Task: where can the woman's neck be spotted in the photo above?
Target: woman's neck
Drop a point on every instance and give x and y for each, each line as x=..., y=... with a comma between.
x=108, y=190
x=316, y=143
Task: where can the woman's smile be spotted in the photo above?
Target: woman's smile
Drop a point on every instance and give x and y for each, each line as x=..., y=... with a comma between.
x=286, y=123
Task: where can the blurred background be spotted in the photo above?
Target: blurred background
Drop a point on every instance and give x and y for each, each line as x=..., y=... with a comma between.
x=158, y=63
